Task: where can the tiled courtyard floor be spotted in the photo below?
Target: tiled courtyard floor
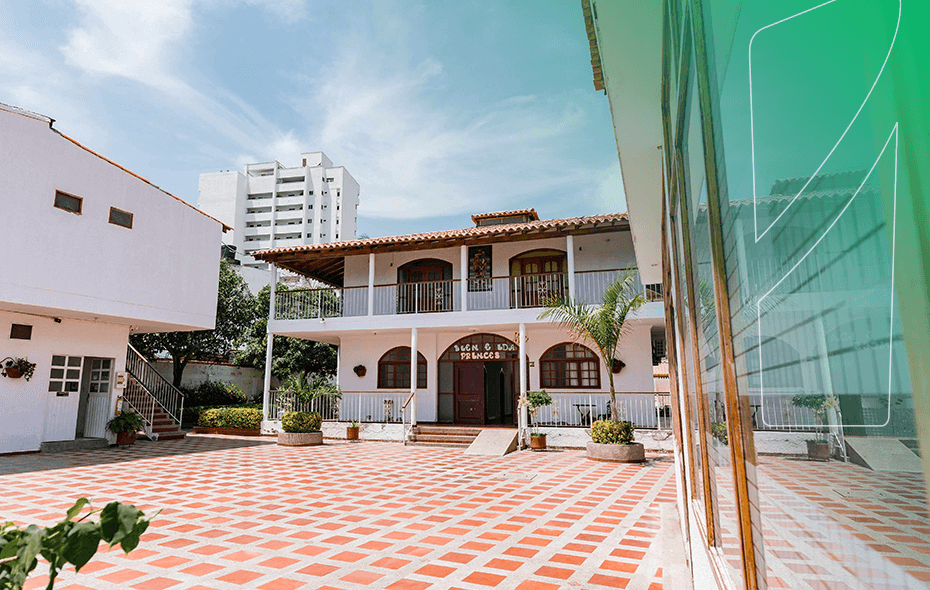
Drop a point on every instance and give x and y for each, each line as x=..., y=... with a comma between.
x=246, y=513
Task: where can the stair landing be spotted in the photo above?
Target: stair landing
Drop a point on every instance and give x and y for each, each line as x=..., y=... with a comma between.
x=460, y=437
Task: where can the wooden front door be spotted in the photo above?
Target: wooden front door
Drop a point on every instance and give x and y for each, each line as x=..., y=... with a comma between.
x=469, y=393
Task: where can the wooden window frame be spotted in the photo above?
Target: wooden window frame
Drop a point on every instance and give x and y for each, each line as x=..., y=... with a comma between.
x=80, y=201
x=553, y=370
x=110, y=217
x=391, y=381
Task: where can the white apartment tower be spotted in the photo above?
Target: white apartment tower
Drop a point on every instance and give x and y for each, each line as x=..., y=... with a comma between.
x=270, y=206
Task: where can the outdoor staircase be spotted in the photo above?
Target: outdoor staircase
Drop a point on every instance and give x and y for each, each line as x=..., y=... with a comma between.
x=157, y=401
x=443, y=436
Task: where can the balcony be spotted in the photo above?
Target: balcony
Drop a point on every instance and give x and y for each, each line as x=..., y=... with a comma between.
x=498, y=293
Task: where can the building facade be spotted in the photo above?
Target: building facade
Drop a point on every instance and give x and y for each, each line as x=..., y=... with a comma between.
x=272, y=206
x=93, y=251
x=785, y=214
x=468, y=302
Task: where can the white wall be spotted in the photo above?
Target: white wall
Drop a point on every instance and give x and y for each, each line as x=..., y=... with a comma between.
x=607, y=251
x=367, y=348
x=29, y=414
x=161, y=275
x=249, y=380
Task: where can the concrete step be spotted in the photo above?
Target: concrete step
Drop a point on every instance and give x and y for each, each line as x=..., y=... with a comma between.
x=438, y=444
x=444, y=438
x=171, y=435
x=78, y=444
x=166, y=428
x=447, y=430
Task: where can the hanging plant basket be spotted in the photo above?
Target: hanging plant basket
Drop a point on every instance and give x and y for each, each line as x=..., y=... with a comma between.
x=14, y=368
x=616, y=366
x=360, y=370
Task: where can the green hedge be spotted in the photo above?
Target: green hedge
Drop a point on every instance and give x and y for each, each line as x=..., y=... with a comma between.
x=244, y=418
x=301, y=422
x=192, y=415
x=606, y=432
x=214, y=393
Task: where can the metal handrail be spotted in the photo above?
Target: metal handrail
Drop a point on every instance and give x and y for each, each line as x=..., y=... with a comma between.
x=169, y=397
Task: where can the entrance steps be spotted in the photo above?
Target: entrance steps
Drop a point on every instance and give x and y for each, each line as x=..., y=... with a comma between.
x=166, y=427
x=443, y=436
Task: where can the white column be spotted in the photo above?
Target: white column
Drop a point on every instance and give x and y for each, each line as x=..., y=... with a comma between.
x=464, y=276
x=268, y=349
x=524, y=416
x=570, y=249
x=413, y=376
x=371, y=284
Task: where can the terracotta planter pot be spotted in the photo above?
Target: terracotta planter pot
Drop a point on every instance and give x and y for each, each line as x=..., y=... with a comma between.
x=361, y=372
x=538, y=443
x=818, y=450
x=300, y=439
x=125, y=438
x=352, y=432
x=13, y=372
x=631, y=453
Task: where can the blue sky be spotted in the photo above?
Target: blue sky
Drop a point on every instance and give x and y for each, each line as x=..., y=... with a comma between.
x=439, y=109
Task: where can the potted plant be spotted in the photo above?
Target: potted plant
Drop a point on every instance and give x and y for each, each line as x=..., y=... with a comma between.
x=616, y=365
x=602, y=325
x=301, y=429
x=352, y=431
x=818, y=448
x=534, y=401
x=125, y=425
x=360, y=370
x=15, y=367
x=613, y=442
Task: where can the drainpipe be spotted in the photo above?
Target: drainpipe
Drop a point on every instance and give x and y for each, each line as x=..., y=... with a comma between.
x=413, y=376
x=523, y=412
x=266, y=397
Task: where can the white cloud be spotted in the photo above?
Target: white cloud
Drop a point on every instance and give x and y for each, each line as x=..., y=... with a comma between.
x=383, y=115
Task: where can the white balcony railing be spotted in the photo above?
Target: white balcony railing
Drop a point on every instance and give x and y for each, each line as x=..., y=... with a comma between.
x=497, y=293
x=358, y=406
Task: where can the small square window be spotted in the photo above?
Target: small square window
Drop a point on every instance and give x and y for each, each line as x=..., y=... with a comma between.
x=21, y=332
x=120, y=217
x=68, y=202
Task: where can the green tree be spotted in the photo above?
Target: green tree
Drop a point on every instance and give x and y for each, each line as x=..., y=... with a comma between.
x=602, y=325
x=290, y=356
x=236, y=309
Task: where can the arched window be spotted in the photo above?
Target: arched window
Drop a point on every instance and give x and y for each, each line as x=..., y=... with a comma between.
x=394, y=369
x=569, y=366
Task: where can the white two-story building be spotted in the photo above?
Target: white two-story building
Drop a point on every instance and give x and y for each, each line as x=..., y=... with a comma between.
x=93, y=252
x=468, y=301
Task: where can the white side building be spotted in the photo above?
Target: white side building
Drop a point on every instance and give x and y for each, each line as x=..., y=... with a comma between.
x=270, y=206
x=93, y=253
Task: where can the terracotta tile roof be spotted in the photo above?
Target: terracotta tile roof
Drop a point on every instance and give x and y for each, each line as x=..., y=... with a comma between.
x=589, y=16
x=326, y=262
x=531, y=212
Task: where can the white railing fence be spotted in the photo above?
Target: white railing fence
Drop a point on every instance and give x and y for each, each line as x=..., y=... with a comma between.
x=590, y=285
x=358, y=406
x=579, y=409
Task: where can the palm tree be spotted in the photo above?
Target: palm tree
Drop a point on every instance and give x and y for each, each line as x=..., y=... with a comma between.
x=602, y=325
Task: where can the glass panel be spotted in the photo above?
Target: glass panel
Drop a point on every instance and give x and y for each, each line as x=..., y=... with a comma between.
x=105, y=364
x=74, y=361
x=809, y=151
x=54, y=385
x=57, y=374
x=58, y=361
x=74, y=374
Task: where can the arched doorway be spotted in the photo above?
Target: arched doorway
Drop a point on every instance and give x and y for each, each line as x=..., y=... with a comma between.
x=478, y=381
x=424, y=286
x=538, y=275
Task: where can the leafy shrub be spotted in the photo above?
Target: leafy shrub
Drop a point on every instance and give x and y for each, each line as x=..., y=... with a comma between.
x=125, y=422
x=244, y=418
x=301, y=422
x=215, y=393
x=192, y=415
x=606, y=432
x=719, y=431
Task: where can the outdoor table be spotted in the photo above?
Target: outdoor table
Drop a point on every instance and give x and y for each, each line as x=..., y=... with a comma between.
x=585, y=411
